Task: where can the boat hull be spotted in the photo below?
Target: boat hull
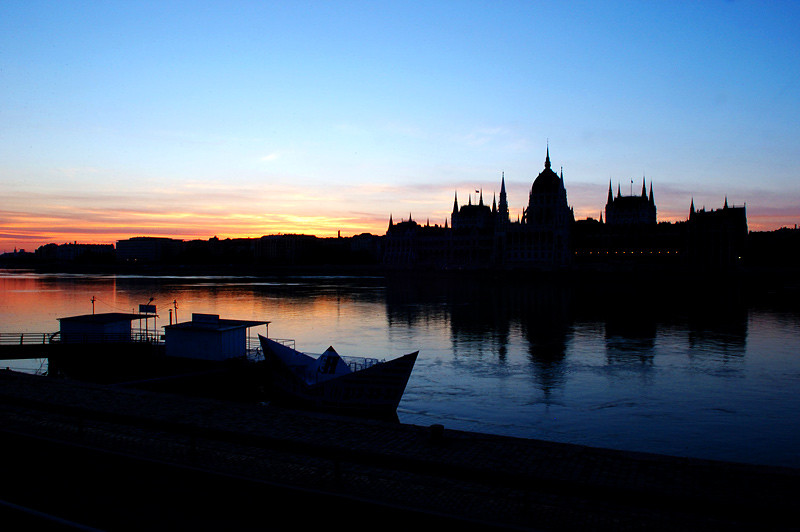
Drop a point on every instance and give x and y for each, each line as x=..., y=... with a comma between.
x=376, y=390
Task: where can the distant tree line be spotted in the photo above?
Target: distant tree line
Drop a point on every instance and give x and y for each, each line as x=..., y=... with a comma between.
x=594, y=247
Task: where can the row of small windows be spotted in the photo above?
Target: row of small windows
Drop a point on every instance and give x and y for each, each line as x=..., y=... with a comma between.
x=629, y=252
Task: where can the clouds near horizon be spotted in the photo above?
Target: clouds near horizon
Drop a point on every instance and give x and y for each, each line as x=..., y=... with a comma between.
x=195, y=119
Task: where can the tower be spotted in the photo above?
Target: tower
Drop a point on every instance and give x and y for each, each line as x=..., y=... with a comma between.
x=502, y=208
x=547, y=221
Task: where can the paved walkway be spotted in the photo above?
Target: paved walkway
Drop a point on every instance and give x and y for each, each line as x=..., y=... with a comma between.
x=448, y=475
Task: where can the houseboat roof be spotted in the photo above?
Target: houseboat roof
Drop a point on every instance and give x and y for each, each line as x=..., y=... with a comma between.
x=212, y=322
x=106, y=317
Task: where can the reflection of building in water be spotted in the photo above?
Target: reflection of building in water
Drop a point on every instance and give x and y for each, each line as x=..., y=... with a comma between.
x=630, y=341
x=718, y=326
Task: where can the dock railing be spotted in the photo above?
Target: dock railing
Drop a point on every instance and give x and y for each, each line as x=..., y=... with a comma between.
x=27, y=338
x=38, y=338
x=254, y=351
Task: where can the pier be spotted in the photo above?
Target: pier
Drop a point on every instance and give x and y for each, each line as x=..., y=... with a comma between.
x=15, y=346
x=99, y=457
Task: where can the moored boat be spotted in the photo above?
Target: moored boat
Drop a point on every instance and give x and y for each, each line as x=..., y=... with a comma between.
x=333, y=383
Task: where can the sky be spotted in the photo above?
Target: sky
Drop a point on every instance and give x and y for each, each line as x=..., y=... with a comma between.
x=241, y=119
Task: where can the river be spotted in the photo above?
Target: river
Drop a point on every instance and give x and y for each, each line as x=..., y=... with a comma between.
x=693, y=372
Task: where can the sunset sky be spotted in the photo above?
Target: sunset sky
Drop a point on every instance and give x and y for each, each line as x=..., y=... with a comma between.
x=197, y=119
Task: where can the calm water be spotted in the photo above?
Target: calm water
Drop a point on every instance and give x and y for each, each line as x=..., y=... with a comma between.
x=685, y=372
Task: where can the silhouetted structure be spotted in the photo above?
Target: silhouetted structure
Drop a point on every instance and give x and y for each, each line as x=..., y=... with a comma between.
x=542, y=240
x=630, y=210
x=548, y=238
x=717, y=238
x=483, y=237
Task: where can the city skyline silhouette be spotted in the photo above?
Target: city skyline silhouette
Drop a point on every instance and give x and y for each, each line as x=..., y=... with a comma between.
x=244, y=120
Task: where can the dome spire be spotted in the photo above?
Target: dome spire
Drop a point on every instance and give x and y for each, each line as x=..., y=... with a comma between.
x=547, y=158
x=503, y=197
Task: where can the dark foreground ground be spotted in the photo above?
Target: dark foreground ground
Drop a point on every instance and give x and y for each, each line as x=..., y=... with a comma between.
x=80, y=456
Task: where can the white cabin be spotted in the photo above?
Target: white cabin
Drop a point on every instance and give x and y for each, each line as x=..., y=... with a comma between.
x=98, y=328
x=207, y=337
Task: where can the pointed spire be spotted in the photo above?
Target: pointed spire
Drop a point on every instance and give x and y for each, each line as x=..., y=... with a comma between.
x=726, y=202
x=494, y=203
x=391, y=224
x=481, y=200
x=644, y=188
x=610, y=194
x=547, y=158
x=455, y=203
x=503, y=207
x=652, y=199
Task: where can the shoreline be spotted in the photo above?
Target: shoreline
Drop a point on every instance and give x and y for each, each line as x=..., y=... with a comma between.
x=420, y=472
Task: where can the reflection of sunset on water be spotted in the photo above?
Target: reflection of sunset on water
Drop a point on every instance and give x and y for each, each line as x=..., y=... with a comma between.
x=515, y=358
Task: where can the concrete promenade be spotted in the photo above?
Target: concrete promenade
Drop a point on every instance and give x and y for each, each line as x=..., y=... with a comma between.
x=82, y=456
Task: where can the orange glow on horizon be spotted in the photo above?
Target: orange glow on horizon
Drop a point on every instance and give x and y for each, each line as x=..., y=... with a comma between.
x=29, y=231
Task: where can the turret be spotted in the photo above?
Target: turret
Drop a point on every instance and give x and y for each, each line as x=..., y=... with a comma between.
x=503, y=197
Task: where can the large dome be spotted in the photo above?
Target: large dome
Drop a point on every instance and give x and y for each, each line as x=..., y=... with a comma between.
x=547, y=181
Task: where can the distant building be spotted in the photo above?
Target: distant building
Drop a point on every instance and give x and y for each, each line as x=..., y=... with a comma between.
x=408, y=243
x=630, y=237
x=480, y=236
x=76, y=252
x=148, y=249
x=287, y=249
x=628, y=210
x=543, y=238
x=717, y=239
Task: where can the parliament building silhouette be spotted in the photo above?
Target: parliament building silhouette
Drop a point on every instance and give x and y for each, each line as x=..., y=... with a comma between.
x=547, y=237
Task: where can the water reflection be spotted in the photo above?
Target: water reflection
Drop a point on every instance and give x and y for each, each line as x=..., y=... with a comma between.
x=620, y=363
x=486, y=316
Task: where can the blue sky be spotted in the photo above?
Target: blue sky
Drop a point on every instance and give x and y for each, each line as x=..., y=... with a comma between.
x=195, y=119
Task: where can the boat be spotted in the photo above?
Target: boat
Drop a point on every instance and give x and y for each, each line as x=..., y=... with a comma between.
x=330, y=382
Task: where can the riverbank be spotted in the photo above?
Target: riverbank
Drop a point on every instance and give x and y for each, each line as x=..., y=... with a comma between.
x=360, y=470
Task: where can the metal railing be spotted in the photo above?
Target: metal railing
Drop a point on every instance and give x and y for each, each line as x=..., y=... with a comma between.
x=27, y=338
